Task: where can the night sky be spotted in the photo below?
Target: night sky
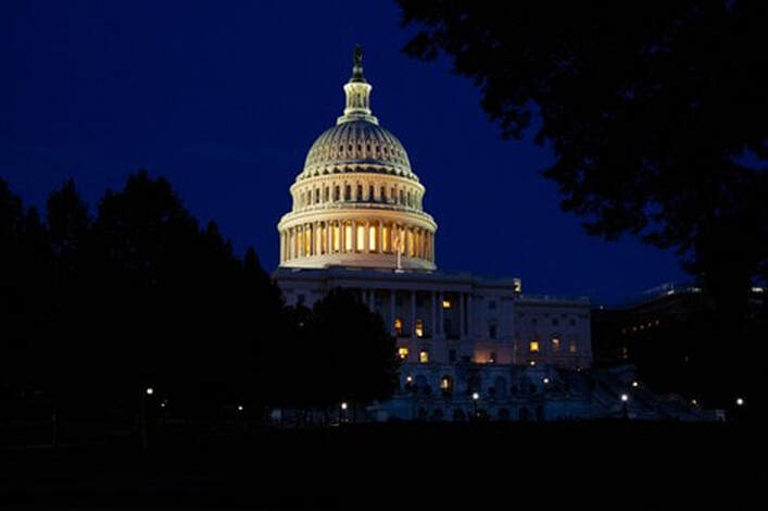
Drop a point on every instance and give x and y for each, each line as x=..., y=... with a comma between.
x=224, y=99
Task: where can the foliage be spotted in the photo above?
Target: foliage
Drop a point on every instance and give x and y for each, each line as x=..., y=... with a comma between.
x=655, y=112
x=95, y=309
x=338, y=351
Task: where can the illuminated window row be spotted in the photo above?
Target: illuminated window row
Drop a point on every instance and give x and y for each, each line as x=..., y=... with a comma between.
x=358, y=192
x=535, y=347
x=340, y=236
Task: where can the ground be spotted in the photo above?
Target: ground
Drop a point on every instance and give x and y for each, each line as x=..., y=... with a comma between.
x=625, y=465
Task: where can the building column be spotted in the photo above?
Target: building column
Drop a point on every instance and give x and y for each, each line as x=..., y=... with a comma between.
x=367, y=237
x=380, y=236
x=469, y=315
x=441, y=314
x=412, y=326
x=434, y=313
x=392, y=311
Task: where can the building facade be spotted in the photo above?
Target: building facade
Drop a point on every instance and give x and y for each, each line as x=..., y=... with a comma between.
x=469, y=345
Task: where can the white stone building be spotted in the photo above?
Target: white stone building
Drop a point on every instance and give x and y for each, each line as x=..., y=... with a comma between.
x=469, y=345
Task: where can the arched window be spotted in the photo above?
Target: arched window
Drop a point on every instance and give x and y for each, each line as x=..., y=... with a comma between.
x=399, y=326
x=446, y=385
x=348, y=237
x=359, y=197
x=419, y=328
x=336, y=235
x=555, y=344
x=500, y=384
x=317, y=195
x=385, y=238
x=533, y=346
x=347, y=192
x=423, y=356
x=372, y=238
x=383, y=194
x=336, y=193
x=370, y=193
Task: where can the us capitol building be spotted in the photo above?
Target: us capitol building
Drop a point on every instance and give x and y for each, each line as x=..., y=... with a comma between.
x=468, y=345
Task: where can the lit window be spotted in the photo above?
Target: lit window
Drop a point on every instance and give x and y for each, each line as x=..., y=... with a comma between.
x=360, y=245
x=419, y=328
x=572, y=348
x=402, y=352
x=533, y=347
x=336, y=234
x=446, y=304
x=348, y=237
x=385, y=238
x=446, y=384
x=556, y=345
x=398, y=326
x=423, y=356
x=372, y=238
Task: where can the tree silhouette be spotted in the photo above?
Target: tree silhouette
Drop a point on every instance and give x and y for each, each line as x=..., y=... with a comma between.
x=655, y=112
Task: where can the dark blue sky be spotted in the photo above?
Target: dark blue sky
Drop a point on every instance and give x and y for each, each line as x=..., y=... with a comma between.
x=225, y=98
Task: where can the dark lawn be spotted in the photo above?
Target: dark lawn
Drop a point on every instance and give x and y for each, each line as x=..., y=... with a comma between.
x=614, y=465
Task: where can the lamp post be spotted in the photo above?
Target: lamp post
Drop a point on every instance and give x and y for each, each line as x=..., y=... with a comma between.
x=624, y=411
x=475, y=397
x=145, y=394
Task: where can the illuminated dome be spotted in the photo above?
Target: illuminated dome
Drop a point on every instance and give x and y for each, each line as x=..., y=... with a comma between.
x=359, y=146
x=357, y=202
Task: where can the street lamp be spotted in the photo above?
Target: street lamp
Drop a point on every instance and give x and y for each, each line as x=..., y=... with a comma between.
x=635, y=384
x=739, y=401
x=624, y=398
x=150, y=391
x=475, y=397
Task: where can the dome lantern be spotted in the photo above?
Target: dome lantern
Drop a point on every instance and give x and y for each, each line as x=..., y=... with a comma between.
x=358, y=91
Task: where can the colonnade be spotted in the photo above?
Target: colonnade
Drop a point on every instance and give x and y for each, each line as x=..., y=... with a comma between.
x=440, y=305
x=356, y=236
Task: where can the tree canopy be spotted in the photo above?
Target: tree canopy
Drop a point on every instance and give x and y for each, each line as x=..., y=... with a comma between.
x=654, y=110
